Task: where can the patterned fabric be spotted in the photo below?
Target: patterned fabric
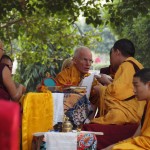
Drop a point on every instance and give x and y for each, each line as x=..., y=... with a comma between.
x=86, y=141
x=79, y=111
x=70, y=99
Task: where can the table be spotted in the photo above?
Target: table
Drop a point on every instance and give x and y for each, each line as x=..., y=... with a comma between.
x=84, y=141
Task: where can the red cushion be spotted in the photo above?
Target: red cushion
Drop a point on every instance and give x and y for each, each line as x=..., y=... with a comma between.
x=112, y=133
x=9, y=125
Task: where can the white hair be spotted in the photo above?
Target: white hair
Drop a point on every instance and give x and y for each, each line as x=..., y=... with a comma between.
x=78, y=50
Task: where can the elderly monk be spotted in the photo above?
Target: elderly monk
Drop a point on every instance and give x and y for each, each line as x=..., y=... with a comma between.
x=73, y=75
x=118, y=104
x=141, y=83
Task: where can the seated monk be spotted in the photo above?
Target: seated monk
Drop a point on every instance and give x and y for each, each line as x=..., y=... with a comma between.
x=141, y=82
x=73, y=75
x=118, y=104
x=8, y=89
x=9, y=63
x=66, y=63
x=108, y=70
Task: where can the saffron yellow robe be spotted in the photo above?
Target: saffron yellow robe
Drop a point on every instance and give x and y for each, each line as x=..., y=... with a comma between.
x=69, y=76
x=113, y=107
x=141, y=142
x=72, y=77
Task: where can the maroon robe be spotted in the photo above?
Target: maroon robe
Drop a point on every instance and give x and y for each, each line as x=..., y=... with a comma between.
x=3, y=91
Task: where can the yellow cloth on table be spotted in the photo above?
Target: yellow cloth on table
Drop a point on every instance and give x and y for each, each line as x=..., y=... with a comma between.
x=37, y=116
x=140, y=142
x=114, y=109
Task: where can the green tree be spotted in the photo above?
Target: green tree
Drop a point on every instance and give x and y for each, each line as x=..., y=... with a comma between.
x=40, y=34
x=134, y=25
x=138, y=32
x=43, y=32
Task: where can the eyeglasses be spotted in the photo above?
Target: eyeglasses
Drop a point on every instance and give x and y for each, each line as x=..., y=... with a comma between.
x=86, y=60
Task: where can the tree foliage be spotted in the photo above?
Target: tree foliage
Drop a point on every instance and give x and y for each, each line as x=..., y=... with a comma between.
x=131, y=19
x=117, y=11
x=138, y=32
x=41, y=33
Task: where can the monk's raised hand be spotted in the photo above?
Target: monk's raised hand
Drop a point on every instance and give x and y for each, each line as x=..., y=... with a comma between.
x=104, y=79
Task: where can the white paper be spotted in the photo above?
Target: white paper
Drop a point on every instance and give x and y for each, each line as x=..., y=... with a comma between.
x=87, y=81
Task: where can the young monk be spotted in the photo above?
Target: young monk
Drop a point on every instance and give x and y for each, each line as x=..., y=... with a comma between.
x=141, y=82
x=109, y=70
x=118, y=104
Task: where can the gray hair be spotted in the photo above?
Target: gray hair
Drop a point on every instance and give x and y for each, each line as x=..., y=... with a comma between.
x=78, y=50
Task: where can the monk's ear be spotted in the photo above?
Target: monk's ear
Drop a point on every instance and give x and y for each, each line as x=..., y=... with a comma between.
x=118, y=52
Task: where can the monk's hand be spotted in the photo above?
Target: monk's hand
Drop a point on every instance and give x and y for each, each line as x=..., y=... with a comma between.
x=23, y=88
x=95, y=93
x=104, y=79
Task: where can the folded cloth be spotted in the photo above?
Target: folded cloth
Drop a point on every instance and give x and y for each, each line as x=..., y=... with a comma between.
x=58, y=107
x=37, y=116
x=61, y=141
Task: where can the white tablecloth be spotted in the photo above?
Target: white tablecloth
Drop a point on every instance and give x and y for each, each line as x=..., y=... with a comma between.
x=58, y=107
x=61, y=141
